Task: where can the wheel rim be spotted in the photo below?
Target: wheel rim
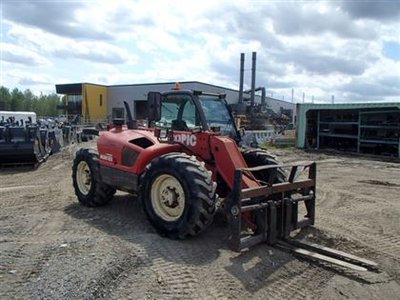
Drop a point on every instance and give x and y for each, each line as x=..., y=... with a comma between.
x=84, y=178
x=167, y=197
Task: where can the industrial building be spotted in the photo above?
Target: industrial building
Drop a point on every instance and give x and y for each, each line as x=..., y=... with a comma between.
x=370, y=128
x=96, y=103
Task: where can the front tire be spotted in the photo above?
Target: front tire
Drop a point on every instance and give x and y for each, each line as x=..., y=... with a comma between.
x=255, y=158
x=258, y=157
x=178, y=195
x=86, y=178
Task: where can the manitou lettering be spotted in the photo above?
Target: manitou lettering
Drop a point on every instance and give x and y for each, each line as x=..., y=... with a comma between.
x=107, y=157
x=187, y=139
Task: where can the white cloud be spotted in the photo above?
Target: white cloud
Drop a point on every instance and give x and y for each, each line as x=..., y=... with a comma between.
x=37, y=82
x=66, y=48
x=320, y=48
x=99, y=52
x=19, y=55
x=57, y=17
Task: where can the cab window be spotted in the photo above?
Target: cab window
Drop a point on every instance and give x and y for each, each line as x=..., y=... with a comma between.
x=179, y=112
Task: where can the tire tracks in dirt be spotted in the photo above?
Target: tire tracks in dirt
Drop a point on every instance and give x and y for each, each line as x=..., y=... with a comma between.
x=60, y=249
x=296, y=281
x=170, y=271
x=350, y=227
x=173, y=275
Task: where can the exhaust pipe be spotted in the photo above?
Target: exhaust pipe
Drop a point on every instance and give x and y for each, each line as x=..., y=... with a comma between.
x=263, y=93
x=253, y=78
x=241, y=78
x=131, y=124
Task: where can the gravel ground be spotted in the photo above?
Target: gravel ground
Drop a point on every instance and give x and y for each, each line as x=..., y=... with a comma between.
x=52, y=248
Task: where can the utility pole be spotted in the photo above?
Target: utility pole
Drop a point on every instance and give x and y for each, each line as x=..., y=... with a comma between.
x=304, y=95
x=312, y=99
x=333, y=99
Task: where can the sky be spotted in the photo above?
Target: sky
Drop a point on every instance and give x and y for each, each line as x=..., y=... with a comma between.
x=349, y=49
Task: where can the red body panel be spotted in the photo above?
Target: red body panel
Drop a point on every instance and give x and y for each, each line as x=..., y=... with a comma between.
x=197, y=143
x=111, y=144
x=221, y=154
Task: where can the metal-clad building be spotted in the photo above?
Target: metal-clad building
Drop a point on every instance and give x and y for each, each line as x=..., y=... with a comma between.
x=371, y=128
x=99, y=102
x=136, y=95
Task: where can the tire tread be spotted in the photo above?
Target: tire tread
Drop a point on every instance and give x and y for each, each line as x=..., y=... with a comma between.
x=100, y=193
x=201, y=191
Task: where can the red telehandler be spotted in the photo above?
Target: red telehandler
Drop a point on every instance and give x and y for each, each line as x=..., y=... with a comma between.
x=187, y=164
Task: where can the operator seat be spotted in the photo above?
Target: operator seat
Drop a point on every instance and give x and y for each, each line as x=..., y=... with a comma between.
x=179, y=125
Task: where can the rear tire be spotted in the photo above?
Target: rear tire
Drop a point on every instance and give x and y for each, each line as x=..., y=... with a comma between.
x=86, y=178
x=178, y=195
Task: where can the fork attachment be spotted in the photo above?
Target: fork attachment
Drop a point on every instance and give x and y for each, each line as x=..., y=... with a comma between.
x=273, y=207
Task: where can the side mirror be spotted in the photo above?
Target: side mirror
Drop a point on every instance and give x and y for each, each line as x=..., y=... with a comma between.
x=154, y=106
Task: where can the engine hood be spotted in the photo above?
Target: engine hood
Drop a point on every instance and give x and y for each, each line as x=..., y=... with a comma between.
x=116, y=145
x=124, y=136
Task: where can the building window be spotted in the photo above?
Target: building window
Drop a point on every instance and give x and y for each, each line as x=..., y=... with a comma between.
x=117, y=113
x=74, y=104
x=101, y=99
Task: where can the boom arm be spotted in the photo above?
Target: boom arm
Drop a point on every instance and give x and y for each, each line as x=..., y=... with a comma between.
x=228, y=159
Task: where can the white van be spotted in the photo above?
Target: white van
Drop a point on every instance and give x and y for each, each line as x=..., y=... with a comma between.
x=18, y=115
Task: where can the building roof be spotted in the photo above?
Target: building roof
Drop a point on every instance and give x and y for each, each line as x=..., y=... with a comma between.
x=173, y=82
x=70, y=88
x=367, y=105
x=76, y=88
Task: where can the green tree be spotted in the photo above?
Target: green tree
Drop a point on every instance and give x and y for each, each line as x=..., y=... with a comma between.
x=29, y=99
x=40, y=108
x=54, y=100
x=5, y=98
x=48, y=105
x=43, y=105
x=17, y=99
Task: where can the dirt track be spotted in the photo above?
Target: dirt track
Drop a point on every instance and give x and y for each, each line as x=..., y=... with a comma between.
x=51, y=247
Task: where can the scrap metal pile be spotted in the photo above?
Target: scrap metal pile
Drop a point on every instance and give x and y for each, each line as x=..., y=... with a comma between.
x=25, y=140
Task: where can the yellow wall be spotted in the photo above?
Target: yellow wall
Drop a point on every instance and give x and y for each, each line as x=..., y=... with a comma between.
x=94, y=110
